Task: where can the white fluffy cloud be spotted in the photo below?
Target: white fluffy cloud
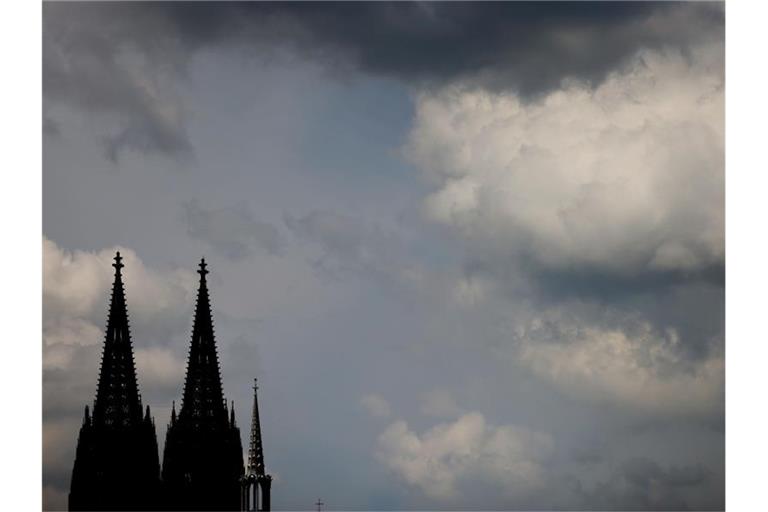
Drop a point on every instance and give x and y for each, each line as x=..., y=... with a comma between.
x=631, y=363
x=624, y=178
x=76, y=291
x=76, y=288
x=469, y=449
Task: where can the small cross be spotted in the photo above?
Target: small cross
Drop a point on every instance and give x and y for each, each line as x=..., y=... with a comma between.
x=319, y=504
x=203, y=270
x=255, y=384
x=118, y=264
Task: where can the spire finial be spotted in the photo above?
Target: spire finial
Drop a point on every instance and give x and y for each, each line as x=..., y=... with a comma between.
x=203, y=268
x=118, y=264
x=255, y=384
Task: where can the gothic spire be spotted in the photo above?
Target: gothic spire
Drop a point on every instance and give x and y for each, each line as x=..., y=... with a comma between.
x=118, y=402
x=255, y=450
x=203, y=402
x=116, y=464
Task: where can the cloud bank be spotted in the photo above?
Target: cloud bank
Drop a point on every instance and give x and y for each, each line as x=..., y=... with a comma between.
x=125, y=61
x=449, y=455
x=624, y=179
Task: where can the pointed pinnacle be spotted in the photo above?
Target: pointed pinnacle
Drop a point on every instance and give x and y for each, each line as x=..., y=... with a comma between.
x=118, y=264
x=203, y=270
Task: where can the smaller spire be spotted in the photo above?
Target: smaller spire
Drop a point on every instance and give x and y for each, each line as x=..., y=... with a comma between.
x=173, y=412
x=255, y=449
x=87, y=417
x=147, y=416
x=232, y=414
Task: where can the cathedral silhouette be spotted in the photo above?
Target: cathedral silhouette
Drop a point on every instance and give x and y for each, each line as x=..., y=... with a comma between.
x=116, y=462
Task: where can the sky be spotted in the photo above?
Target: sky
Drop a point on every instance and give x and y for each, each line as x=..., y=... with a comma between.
x=473, y=252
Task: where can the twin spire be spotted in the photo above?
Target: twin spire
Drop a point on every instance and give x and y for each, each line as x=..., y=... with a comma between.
x=203, y=403
x=116, y=462
x=118, y=402
x=117, y=465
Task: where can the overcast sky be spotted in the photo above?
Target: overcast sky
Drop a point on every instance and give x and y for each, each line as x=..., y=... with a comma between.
x=474, y=253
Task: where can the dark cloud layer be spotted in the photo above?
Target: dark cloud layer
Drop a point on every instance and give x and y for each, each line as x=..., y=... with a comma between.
x=530, y=45
x=119, y=58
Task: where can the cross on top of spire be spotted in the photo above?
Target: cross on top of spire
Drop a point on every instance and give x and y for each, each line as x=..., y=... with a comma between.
x=255, y=384
x=118, y=264
x=203, y=268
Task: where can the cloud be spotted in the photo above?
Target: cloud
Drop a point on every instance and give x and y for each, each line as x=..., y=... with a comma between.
x=101, y=64
x=376, y=406
x=76, y=291
x=628, y=363
x=125, y=61
x=160, y=367
x=642, y=484
x=626, y=179
x=443, y=459
x=54, y=498
x=232, y=231
x=596, y=216
x=76, y=288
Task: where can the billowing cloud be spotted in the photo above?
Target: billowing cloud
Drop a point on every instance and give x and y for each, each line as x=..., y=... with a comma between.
x=447, y=456
x=124, y=61
x=160, y=366
x=629, y=363
x=233, y=231
x=622, y=182
x=76, y=290
x=625, y=179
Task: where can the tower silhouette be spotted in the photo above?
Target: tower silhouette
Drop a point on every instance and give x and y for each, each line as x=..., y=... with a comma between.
x=255, y=478
x=203, y=458
x=116, y=463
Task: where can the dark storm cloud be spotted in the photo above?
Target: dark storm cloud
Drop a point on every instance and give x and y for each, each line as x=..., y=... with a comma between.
x=528, y=45
x=122, y=58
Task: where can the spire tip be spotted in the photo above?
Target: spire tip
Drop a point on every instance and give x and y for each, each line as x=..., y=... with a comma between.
x=203, y=268
x=118, y=264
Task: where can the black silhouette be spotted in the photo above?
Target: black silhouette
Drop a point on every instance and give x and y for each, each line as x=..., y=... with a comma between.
x=203, y=459
x=255, y=478
x=116, y=464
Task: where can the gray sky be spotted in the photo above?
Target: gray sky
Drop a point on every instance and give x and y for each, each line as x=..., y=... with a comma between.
x=474, y=253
